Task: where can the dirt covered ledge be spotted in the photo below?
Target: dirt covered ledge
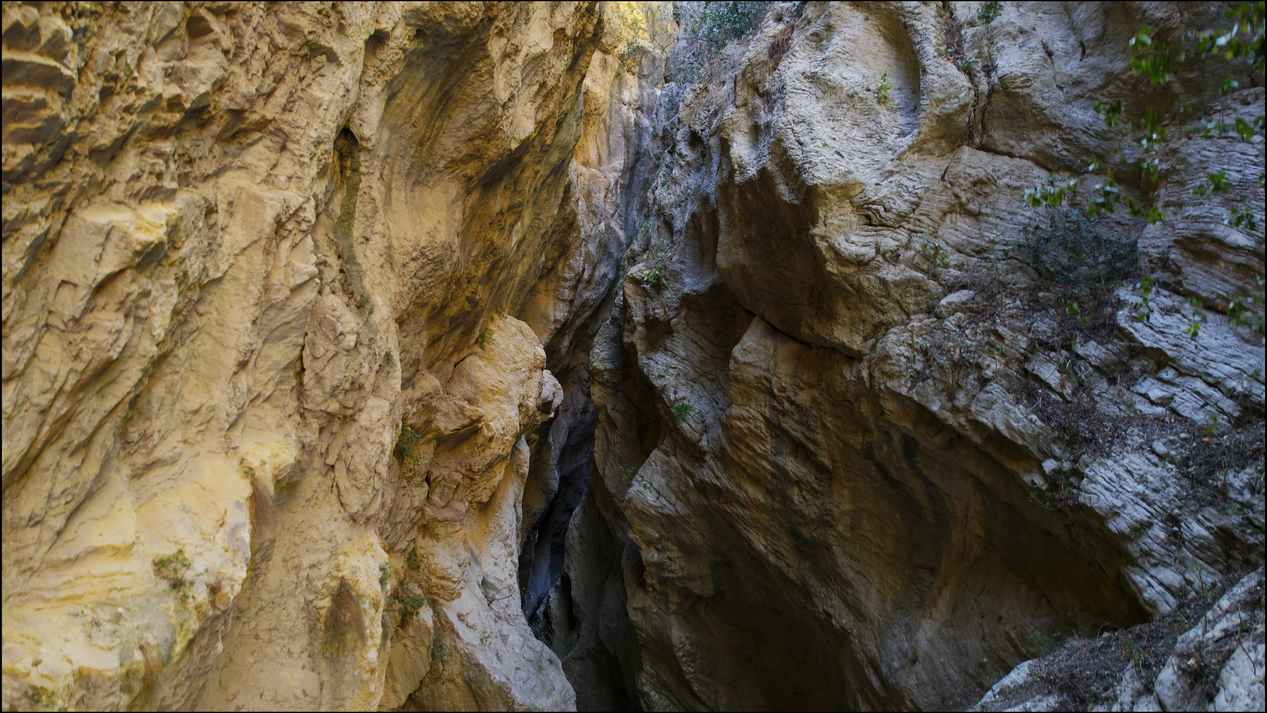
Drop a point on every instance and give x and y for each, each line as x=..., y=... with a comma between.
x=1205, y=655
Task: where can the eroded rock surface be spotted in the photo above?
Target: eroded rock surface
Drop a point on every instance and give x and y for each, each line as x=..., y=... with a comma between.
x=1207, y=657
x=542, y=355
x=863, y=452
x=268, y=407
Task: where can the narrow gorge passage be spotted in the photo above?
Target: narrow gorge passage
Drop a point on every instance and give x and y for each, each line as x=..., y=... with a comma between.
x=542, y=555
x=633, y=356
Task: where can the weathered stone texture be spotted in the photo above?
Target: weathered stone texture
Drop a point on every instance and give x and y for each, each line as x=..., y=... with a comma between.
x=262, y=266
x=512, y=356
x=864, y=454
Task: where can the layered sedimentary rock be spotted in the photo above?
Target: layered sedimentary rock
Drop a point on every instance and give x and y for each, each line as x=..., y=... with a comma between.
x=1207, y=656
x=267, y=404
x=862, y=451
x=552, y=355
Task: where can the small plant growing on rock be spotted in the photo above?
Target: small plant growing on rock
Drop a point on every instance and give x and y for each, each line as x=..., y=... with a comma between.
x=1194, y=325
x=1236, y=311
x=628, y=54
x=934, y=255
x=409, y=604
x=989, y=11
x=172, y=568
x=406, y=442
x=682, y=410
x=1246, y=130
x=652, y=277
x=1241, y=314
x=1211, y=426
x=1134, y=654
x=1073, y=309
x=1145, y=310
x=1111, y=112
x=1052, y=194
x=882, y=90
x=1242, y=219
x=1216, y=182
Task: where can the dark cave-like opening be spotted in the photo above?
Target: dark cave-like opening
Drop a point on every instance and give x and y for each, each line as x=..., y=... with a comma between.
x=542, y=556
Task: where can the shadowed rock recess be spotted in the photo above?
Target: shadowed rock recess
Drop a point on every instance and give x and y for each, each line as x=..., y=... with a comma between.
x=611, y=356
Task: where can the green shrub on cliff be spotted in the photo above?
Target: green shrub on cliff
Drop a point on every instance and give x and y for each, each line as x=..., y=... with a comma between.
x=722, y=21
x=1229, y=54
x=706, y=28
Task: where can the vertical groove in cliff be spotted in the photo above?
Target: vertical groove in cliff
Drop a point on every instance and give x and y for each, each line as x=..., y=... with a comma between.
x=612, y=166
x=426, y=356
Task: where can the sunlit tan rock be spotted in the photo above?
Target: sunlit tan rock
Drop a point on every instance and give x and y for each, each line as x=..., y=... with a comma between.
x=260, y=263
x=536, y=356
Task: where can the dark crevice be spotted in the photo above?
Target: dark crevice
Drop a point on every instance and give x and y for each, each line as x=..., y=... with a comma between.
x=541, y=561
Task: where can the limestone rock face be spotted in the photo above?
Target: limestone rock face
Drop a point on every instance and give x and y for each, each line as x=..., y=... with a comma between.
x=554, y=355
x=861, y=450
x=612, y=165
x=1215, y=665
x=268, y=408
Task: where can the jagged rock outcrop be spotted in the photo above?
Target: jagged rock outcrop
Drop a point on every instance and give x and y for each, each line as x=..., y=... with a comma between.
x=613, y=163
x=864, y=450
x=268, y=408
x=549, y=355
x=1204, y=657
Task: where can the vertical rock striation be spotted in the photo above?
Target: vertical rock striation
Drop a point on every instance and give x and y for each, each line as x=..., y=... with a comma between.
x=268, y=407
x=612, y=165
x=435, y=356
x=861, y=452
